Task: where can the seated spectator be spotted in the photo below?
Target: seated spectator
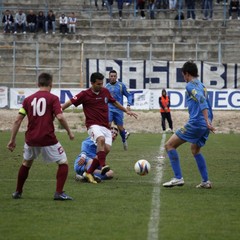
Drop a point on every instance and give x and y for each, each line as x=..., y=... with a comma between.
x=96, y=4
x=234, y=6
x=7, y=21
x=40, y=21
x=72, y=23
x=50, y=22
x=20, y=22
x=63, y=21
x=32, y=21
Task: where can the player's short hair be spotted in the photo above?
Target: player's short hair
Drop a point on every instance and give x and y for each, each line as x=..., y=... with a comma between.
x=191, y=68
x=45, y=80
x=96, y=76
x=112, y=71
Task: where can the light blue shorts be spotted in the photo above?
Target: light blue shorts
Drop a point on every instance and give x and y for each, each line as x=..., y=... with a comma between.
x=194, y=134
x=116, y=117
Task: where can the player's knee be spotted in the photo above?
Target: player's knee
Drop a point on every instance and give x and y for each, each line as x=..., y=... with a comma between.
x=27, y=163
x=62, y=161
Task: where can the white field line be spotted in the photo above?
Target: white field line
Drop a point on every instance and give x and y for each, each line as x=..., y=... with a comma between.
x=155, y=207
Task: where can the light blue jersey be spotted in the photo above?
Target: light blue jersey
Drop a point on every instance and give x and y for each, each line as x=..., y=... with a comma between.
x=197, y=101
x=118, y=90
x=196, y=130
x=88, y=149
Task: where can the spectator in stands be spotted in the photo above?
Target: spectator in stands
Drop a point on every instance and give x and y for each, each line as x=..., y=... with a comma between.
x=63, y=24
x=50, y=22
x=161, y=4
x=152, y=9
x=172, y=4
x=96, y=4
x=234, y=6
x=109, y=4
x=32, y=21
x=208, y=10
x=191, y=9
x=40, y=21
x=7, y=21
x=223, y=2
x=20, y=22
x=72, y=23
x=120, y=8
x=141, y=5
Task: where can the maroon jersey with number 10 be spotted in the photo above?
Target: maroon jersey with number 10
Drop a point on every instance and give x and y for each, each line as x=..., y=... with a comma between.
x=41, y=109
x=95, y=106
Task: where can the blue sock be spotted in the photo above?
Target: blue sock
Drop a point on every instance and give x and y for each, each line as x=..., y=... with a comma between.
x=202, y=167
x=175, y=163
x=123, y=135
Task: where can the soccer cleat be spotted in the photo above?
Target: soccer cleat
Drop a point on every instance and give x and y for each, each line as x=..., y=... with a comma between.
x=105, y=169
x=16, y=195
x=174, y=182
x=97, y=178
x=206, y=185
x=62, y=196
x=79, y=177
x=127, y=134
x=89, y=177
x=125, y=145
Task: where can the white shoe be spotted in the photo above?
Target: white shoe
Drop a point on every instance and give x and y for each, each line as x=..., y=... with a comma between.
x=79, y=177
x=206, y=185
x=127, y=134
x=174, y=182
x=125, y=145
x=238, y=18
x=24, y=32
x=230, y=17
x=15, y=32
x=46, y=32
x=53, y=33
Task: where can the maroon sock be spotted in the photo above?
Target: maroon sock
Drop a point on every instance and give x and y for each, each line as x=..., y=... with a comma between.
x=93, y=166
x=101, y=158
x=62, y=174
x=22, y=176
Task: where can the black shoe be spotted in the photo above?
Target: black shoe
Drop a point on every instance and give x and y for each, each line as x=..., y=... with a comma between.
x=62, y=196
x=16, y=195
x=105, y=169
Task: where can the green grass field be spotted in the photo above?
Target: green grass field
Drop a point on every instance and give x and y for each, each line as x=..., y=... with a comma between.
x=129, y=207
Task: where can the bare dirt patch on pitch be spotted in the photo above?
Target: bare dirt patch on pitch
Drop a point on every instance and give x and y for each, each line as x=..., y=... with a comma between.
x=148, y=121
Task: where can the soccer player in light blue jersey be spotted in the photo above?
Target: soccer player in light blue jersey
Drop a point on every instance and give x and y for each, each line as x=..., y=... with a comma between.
x=195, y=131
x=85, y=159
x=118, y=90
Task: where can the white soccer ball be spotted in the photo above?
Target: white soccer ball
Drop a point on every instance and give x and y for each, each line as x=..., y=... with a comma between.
x=142, y=167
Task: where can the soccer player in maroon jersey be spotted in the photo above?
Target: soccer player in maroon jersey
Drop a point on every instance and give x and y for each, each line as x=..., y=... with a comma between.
x=95, y=107
x=41, y=108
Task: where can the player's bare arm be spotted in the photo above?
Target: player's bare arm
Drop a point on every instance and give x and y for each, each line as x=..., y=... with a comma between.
x=209, y=124
x=66, y=105
x=64, y=123
x=128, y=112
x=16, y=125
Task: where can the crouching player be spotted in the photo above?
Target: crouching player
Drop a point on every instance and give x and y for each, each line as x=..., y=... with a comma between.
x=85, y=159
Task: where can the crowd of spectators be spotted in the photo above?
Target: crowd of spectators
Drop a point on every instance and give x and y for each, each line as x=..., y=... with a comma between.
x=21, y=22
x=36, y=22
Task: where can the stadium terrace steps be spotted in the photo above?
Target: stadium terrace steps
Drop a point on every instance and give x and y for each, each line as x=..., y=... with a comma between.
x=98, y=36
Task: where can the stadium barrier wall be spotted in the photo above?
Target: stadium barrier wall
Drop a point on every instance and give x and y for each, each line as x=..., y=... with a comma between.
x=143, y=99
